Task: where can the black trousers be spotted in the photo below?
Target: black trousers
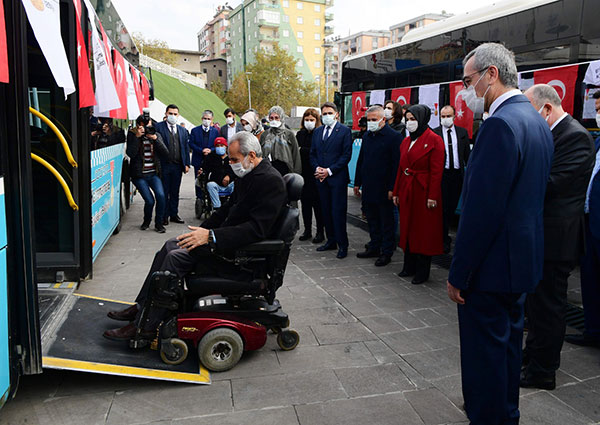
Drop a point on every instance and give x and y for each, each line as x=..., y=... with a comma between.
x=311, y=202
x=546, y=311
x=380, y=218
x=452, y=181
x=418, y=265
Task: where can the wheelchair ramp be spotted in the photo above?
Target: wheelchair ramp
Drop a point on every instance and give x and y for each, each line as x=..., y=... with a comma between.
x=78, y=345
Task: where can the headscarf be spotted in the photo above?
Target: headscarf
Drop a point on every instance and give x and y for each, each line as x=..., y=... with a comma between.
x=277, y=110
x=422, y=113
x=251, y=117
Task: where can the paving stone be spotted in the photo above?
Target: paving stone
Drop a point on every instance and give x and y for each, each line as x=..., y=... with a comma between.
x=407, y=320
x=77, y=383
x=343, y=332
x=332, y=283
x=582, y=363
x=380, y=324
x=380, y=379
x=581, y=398
x=542, y=408
x=326, y=357
x=435, y=364
x=349, y=271
x=451, y=386
x=318, y=316
x=405, y=342
x=429, y=316
x=444, y=412
x=268, y=416
x=382, y=353
x=362, y=309
x=253, y=363
x=439, y=336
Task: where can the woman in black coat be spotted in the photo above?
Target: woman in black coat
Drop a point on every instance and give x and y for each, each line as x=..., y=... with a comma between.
x=310, y=198
x=393, y=114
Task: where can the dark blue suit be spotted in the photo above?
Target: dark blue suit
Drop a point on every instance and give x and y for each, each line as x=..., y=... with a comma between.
x=499, y=254
x=333, y=153
x=172, y=170
x=199, y=142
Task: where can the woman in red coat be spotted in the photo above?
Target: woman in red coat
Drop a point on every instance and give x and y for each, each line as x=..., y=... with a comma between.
x=417, y=193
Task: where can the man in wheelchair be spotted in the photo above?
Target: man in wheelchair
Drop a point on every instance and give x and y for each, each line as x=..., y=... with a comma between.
x=219, y=174
x=248, y=217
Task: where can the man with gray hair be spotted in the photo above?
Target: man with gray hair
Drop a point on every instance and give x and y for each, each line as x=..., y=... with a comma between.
x=564, y=241
x=248, y=217
x=498, y=256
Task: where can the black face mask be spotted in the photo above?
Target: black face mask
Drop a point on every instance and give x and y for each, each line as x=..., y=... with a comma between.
x=422, y=113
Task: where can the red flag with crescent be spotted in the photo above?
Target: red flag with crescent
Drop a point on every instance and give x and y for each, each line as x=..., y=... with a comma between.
x=145, y=90
x=464, y=116
x=135, y=75
x=402, y=96
x=121, y=85
x=86, y=89
x=3, y=47
x=563, y=79
x=359, y=101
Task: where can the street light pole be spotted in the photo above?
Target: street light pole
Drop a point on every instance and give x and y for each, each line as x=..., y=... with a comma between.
x=326, y=47
x=248, y=74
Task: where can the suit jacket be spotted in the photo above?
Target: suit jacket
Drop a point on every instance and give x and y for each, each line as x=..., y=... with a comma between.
x=163, y=129
x=334, y=153
x=252, y=210
x=238, y=127
x=594, y=202
x=197, y=143
x=572, y=165
x=464, y=150
x=377, y=164
x=500, y=239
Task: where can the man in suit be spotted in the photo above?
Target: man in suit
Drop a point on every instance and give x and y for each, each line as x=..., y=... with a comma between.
x=248, y=217
x=330, y=154
x=202, y=143
x=590, y=263
x=499, y=251
x=456, y=141
x=564, y=227
x=178, y=162
x=376, y=173
x=231, y=125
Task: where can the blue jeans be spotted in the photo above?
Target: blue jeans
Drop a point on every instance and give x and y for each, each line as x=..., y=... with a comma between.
x=214, y=190
x=144, y=184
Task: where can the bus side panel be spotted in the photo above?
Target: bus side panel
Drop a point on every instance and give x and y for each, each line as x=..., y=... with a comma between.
x=4, y=331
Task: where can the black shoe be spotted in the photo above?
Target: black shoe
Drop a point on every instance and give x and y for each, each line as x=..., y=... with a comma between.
x=145, y=225
x=319, y=238
x=528, y=380
x=369, y=253
x=383, y=260
x=583, y=340
x=160, y=228
x=405, y=274
x=305, y=236
x=419, y=280
x=177, y=219
x=342, y=253
x=329, y=246
x=166, y=222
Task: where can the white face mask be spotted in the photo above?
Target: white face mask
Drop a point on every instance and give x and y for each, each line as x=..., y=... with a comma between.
x=373, y=125
x=598, y=120
x=447, y=122
x=309, y=125
x=474, y=102
x=412, y=126
x=206, y=123
x=387, y=114
x=328, y=119
x=248, y=128
x=275, y=123
x=229, y=120
x=240, y=169
x=403, y=120
x=540, y=112
x=172, y=119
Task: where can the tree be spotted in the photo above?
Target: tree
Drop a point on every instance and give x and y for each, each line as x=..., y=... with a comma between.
x=155, y=48
x=216, y=86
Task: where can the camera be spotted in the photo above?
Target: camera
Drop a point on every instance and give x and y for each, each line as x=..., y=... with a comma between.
x=149, y=130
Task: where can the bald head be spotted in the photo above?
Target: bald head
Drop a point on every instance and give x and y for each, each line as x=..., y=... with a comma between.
x=546, y=101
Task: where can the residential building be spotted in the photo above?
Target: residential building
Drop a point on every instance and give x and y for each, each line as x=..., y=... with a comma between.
x=189, y=61
x=214, y=35
x=402, y=28
x=213, y=70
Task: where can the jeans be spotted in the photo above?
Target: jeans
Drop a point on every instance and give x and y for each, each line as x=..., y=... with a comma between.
x=214, y=190
x=144, y=184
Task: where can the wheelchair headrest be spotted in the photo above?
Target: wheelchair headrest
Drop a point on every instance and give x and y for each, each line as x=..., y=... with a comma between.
x=293, y=184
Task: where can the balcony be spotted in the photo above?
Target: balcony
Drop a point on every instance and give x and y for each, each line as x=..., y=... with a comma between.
x=269, y=38
x=329, y=3
x=328, y=30
x=328, y=16
x=266, y=23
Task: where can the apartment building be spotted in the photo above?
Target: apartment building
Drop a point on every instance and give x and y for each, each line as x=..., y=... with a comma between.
x=214, y=36
x=399, y=30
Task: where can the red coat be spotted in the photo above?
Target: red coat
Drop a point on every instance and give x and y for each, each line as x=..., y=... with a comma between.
x=419, y=178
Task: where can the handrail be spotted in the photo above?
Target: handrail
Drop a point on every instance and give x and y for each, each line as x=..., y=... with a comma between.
x=60, y=179
x=60, y=136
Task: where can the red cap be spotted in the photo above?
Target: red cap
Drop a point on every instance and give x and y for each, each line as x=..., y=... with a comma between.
x=220, y=141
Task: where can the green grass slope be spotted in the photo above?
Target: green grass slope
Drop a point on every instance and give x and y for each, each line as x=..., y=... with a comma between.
x=192, y=100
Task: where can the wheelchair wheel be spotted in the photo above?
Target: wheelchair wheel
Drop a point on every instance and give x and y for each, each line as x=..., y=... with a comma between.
x=288, y=340
x=181, y=352
x=220, y=349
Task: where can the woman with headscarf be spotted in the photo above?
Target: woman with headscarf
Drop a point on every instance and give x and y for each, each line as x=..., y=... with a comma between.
x=251, y=122
x=279, y=144
x=417, y=193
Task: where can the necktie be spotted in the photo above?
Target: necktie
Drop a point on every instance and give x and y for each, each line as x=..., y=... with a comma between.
x=327, y=132
x=450, y=151
x=173, y=129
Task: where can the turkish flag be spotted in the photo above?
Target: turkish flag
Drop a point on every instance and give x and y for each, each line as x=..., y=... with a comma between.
x=145, y=91
x=3, y=49
x=402, y=96
x=563, y=79
x=137, y=87
x=359, y=101
x=464, y=116
x=86, y=89
x=121, y=86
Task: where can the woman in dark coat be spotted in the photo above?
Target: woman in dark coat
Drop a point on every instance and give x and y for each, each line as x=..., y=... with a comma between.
x=417, y=193
x=393, y=114
x=310, y=197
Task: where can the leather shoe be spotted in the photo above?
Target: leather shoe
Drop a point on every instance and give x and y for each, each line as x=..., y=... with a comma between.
x=305, y=236
x=529, y=380
x=383, y=260
x=329, y=246
x=160, y=228
x=583, y=340
x=145, y=225
x=368, y=254
x=342, y=253
x=177, y=219
x=418, y=280
x=405, y=274
x=166, y=222
x=126, y=333
x=126, y=315
x=319, y=237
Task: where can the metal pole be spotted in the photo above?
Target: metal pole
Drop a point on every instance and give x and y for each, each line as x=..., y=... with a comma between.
x=249, y=94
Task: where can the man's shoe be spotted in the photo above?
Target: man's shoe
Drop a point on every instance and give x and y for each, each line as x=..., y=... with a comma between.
x=166, y=221
x=329, y=246
x=145, y=225
x=342, y=253
x=405, y=274
x=319, y=238
x=369, y=253
x=177, y=219
x=125, y=333
x=529, y=380
x=383, y=260
x=160, y=228
x=419, y=280
x=127, y=315
x=305, y=236
x=583, y=340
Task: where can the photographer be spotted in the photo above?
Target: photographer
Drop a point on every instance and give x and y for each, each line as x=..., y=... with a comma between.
x=145, y=147
x=104, y=134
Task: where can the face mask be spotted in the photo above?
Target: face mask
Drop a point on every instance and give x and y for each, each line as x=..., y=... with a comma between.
x=309, y=125
x=373, y=125
x=328, y=119
x=447, y=122
x=206, y=123
x=474, y=103
x=172, y=119
x=248, y=128
x=598, y=120
x=540, y=112
x=275, y=123
x=412, y=126
x=387, y=113
x=220, y=150
x=240, y=169
x=229, y=120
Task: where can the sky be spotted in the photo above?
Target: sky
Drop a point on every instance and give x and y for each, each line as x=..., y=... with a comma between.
x=186, y=17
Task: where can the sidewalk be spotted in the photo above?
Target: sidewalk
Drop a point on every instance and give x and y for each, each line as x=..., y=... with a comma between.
x=373, y=349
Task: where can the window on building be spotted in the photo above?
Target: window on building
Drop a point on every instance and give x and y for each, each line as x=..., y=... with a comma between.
x=286, y=33
x=299, y=49
x=255, y=34
x=254, y=4
x=205, y=70
x=317, y=50
x=318, y=64
x=318, y=22
x=286, y=19
x=185, y=59
x=300, y=34
x=240, y=43
x=374, y=44
x=220, y=72
x=300, y=5
x=300, y=63
x=285, y=3
x=286, y=47
x=317, y=36
x=317, y=7
x=299, y=20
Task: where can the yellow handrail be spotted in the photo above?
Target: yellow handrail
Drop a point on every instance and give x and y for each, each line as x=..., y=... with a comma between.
x=60, y=179
x=60, y=136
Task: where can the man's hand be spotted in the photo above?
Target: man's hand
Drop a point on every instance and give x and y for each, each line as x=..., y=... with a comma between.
x=152, y=136
x=226, y=180
x=321, y=173
x=390, y=195
x=206, y=151
x=356, y=191
x=187, y=168
x=197, y=237
x=395, y=200
x=454, y=294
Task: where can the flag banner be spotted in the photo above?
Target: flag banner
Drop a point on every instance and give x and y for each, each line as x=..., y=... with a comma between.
x=589, y=104
x=430, y=96
x=464, y=116
x=3, y=47
x=139, y=94
x=86, y=89
x=377, y=97
x=145, y=91
x=44, y=18
x=563, y=79
x=402, y=96
x=133, y=107
x=525, y=83
x=592, y=75
x=359, y=101
x=122, y=89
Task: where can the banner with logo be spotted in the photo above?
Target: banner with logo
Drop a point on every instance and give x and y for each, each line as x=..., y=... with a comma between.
x=133, y=107
x=464, y=116
x=430, y=96
x=121, y=85
x=377, y=97
x=86, y=89
x=359, y=101
x=3, y=47
x=563, y=79
x=402, y=96
x=592, y=75
x=589, y=104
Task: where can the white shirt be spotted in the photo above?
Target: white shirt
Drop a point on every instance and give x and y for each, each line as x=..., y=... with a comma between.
x=412, y=143
x=454, y=146
x=172, y=128
x=325, y=130
x=586, y=206
x=496, y=103
x=205, y=128
x=230, y=131
x=562, y=117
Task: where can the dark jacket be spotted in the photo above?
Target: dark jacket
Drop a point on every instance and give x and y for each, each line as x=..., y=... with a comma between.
x=223, y=131
x=183, y=135
x=115, y=137
x=252, y=210
x=464, y=148
x=399, y=127
x=216, y=168
x=334, y=153
x=594, y=201
x=377, y=164
x=304, y=138
x=564, y=224
x=135, y=152
x=198, y=143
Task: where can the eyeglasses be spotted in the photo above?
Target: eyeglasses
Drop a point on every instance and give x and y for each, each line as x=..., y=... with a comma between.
x=467, y=79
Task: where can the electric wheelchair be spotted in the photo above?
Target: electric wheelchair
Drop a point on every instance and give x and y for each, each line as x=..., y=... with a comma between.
x=223, y=317
x=203, y=206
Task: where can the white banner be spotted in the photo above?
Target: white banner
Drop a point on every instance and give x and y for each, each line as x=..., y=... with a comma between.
x=377, y=97
x=589, y=104
x=133, y=109
x=592, y=75
x=430, y=96
x=44, y=18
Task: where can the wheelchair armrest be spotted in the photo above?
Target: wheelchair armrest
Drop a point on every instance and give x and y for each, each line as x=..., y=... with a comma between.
x=266, y=247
